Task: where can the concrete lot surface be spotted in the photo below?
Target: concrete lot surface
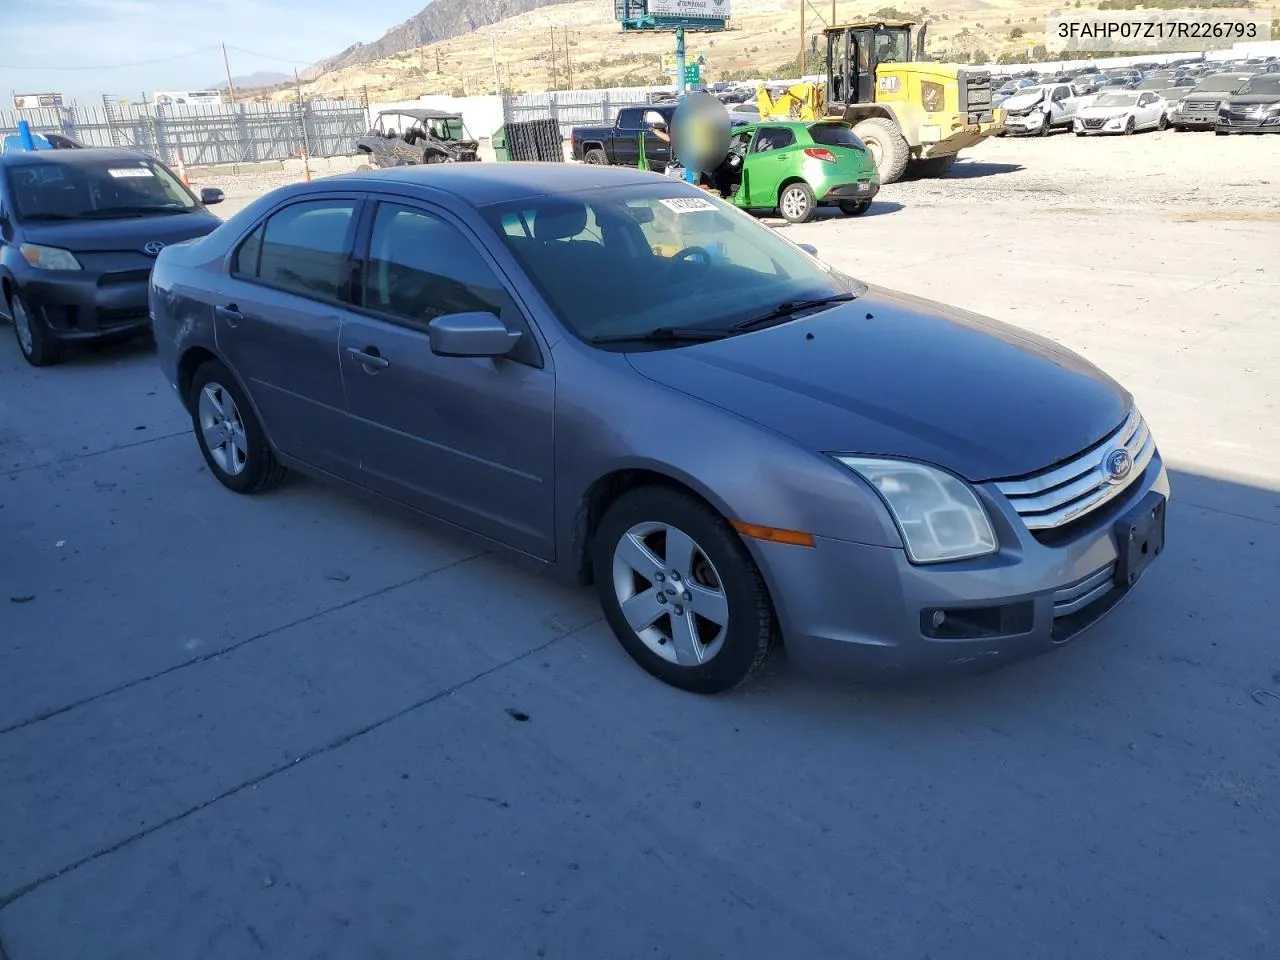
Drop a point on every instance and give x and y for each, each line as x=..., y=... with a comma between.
x=297, y=726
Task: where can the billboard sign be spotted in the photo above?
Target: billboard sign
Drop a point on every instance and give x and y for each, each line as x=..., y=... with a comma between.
x=33, y=101
x=690, y=9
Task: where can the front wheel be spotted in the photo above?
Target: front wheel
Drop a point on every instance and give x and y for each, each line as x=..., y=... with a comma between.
x=854, y=208
x=231, y=439
x=36, y=344
x=1163, y=122
x=1130, y=125
x=1046, y=127
x=797, y=203
x=681, y=592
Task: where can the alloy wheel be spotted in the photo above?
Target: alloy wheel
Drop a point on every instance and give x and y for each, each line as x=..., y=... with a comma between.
x=222, y=429
x=670, y=593
x=794, y=205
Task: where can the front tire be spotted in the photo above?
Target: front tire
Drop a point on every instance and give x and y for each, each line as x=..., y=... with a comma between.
x=797, y=203
x=1130, y=125
x=1163, y=122
x=681, y=592
x=887, y=145
x=230, y=437
x=35, y=343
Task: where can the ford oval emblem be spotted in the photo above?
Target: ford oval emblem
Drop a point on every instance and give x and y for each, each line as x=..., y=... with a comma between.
x=153, y=248
x=1117, y=465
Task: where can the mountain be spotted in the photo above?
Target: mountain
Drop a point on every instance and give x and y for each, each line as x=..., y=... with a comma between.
x=440, y=20
x=251, y=81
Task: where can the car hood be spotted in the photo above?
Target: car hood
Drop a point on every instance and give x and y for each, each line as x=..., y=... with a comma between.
x=1020, y=101
x=1253, y=99
x=103, y=236
x=1093, y=110
x=894, y=375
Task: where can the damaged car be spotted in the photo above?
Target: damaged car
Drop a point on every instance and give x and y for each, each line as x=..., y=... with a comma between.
x=405, y=138
x=1038, y=110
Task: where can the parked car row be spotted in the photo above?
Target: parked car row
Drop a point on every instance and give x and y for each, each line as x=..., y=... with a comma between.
x=1223, y=102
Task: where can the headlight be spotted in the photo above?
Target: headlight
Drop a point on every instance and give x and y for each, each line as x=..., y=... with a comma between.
x=48, y=258
x=938, y=515
x=1181, y=103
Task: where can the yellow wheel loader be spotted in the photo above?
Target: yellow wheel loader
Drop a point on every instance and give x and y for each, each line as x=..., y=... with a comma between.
x=914, y=115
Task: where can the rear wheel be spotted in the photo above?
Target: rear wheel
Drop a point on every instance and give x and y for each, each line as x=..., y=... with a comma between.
x=888, y=147
x=796, y=203
x=681, y=592
x=854, y=208
x=230, y=437
x=596, y=157
x=37, y=345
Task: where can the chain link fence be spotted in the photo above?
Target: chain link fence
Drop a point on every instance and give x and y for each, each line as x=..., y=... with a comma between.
x=214, y=134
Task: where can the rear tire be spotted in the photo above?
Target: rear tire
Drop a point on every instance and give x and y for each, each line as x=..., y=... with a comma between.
x=796, y=203
x=707, y=628
x=887, y=145
x=596, y=157
x=854, y=208
x=35, y=343
x=230, y=437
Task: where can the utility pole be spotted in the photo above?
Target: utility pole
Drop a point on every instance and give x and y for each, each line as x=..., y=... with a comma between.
x=302, y=119
x=800, y=59
x=437, y=61
x=231, y=88
x=568, y=64
x=554, y=83
x=497, y=77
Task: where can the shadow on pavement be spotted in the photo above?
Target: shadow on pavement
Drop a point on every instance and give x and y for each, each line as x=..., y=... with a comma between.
x=972, y=169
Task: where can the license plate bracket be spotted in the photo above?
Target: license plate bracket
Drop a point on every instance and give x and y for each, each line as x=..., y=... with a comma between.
x=1139, y=538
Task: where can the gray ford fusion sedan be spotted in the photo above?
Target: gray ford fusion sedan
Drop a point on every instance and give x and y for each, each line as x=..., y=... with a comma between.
x=641, y=387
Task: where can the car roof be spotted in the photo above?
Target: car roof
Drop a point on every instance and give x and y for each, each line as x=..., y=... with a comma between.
x=482, y=184
x=87, y=156
x=421, y=114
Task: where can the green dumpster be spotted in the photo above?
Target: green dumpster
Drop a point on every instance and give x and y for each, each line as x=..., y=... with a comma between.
x=501, y=151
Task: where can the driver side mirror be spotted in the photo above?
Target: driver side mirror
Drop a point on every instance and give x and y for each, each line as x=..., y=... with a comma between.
x=471, y=335
x=211, y=195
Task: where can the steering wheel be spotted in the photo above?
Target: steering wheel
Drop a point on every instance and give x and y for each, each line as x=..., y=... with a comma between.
x=698, y=255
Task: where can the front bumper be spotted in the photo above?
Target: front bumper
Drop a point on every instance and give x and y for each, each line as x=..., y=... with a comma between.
x=83, y=305
x=1194, y=121
x=850, y=192
x=859, y=611
x=1113, y=125
x=1252, y=124
x=1032, y=122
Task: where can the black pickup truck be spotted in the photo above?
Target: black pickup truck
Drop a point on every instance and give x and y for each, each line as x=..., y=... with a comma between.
x=620, y=144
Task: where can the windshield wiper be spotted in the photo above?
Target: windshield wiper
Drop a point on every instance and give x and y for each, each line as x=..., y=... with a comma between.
x=134, y=211
x=788, y=307
x=666, y=335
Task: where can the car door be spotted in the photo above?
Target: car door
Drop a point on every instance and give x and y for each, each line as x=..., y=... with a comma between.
x=1150, y=106
x=630, y=125
x=468, y=440
x=767, y=162
x=277, y=326
x=1064, y=103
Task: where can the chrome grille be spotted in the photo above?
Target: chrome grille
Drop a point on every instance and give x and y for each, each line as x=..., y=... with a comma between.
x=1202, y=106
x=1093, y=123
x=1069, y=491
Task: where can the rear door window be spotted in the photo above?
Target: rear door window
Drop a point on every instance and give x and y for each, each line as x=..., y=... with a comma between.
x=304, y=248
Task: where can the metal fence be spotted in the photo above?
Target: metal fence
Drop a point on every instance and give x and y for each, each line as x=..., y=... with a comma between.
x=573, y=108
x=242, y=133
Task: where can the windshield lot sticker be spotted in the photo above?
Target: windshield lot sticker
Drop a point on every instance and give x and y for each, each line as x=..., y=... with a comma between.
x=687, y=204
x=131, y=172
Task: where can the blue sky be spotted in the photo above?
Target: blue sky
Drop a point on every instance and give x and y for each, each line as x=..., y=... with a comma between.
x=107, y=41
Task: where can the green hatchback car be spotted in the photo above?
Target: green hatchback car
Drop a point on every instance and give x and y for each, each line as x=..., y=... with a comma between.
x=795, y=167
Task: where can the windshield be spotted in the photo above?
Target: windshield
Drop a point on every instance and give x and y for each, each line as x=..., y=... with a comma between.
x=1116, y=100
x=1218, y=85
x=1031, y=92
x=99, y=188
x=631, y=260
x=1267, y=84
x=447, y=128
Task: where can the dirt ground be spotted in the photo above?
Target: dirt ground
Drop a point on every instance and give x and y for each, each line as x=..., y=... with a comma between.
x=1167, y=175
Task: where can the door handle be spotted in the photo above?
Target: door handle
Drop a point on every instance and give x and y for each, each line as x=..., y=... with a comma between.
x=230, y=314
x=369, y=358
